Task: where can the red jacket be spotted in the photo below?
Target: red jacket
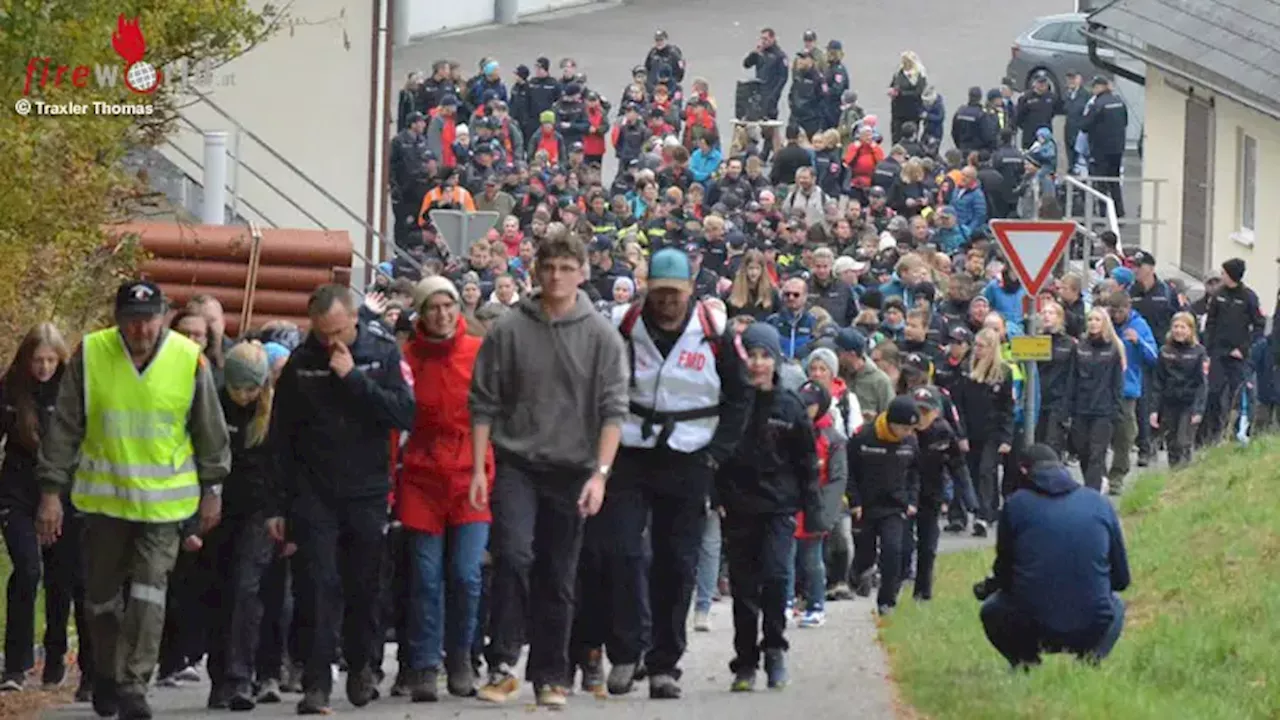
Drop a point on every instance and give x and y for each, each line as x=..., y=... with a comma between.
x=433, y=491
x=824, y=454
x=593, y=143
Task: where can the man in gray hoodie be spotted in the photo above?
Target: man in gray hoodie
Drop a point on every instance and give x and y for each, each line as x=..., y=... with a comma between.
x=550, y=392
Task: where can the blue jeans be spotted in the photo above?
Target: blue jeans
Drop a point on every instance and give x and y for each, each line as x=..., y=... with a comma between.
x=809, y=563
x=432, y=631
x=708, y=563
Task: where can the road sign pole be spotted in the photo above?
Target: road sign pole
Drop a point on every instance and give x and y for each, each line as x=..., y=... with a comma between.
x=1030, y=384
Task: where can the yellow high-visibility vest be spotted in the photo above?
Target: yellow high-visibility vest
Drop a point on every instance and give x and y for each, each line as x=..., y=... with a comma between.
x=137, y=461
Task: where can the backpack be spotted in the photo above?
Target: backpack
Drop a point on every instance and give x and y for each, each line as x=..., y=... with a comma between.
x=633, y=314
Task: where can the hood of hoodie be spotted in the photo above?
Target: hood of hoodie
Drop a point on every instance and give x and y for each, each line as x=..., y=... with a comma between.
x=1052, y=479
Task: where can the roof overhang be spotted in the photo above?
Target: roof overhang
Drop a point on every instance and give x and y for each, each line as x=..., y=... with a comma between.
x=1167, y=62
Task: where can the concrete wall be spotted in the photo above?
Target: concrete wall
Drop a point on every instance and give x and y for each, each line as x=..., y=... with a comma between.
x=428, y=17
x=1166, y=122
x=305, y=93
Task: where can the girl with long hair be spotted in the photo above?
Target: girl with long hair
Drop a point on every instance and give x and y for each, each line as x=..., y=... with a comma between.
x=239, y=549
x=984, y=396
x=28, y=392
x=907, y=93
x=1180, y=385
x=1055, y=378
x=752, y=292
x=1096, y=389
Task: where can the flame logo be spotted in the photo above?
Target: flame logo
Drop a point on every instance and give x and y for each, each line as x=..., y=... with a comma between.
x=128, y=41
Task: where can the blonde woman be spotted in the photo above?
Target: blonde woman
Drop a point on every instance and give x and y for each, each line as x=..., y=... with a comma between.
x=907, y=93
x=1055, y=378
x=239, y=546
x=984, y=398
x=1095, y=392
x=752, y=292
x=909, y=195
x=1180, y=387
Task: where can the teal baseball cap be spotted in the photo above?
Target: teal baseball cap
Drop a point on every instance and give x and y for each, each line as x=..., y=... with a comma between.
x=670, y=268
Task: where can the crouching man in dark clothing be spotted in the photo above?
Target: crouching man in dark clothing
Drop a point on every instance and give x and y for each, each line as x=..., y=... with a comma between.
x=773, y=474
x=1060, y=561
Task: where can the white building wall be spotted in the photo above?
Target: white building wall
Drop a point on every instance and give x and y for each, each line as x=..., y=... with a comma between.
x=429, y=17
x=1166, y=115
x=306, y=93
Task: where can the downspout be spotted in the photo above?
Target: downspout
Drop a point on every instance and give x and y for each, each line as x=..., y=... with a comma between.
x=1110, y=67
x=371, y=189
x=387, y=130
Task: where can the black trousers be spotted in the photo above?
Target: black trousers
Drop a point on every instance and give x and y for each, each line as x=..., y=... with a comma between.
x=63, y=571
x=1226, y=376
x=240, y=551
x=1090, y=438
x=1143, y=407
x=984, y=461
x=340, y=546
x=534, y=541
x=185, y=617
x=760, y=550
x=920, y=538
x=1108, y=165
x=1021, y=639
x=1051, y=429
x=882, y=532
x=1178, y=431
x=273, y=631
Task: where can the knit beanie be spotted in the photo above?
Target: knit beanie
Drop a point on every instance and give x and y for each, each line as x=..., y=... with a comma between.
x=1234, y=268
x=275, y=351
x=546, y=116
x=433, y=285
x=246, y=366
x=824, y=356
x=763, y=336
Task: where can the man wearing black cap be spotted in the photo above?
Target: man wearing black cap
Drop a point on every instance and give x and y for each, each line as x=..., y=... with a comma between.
x=408, y=170
x=944, y=474
x=884, y=491
x=544, y=92
x=1233, y=323
x=663, y=56
x=521, y=101
x=807, y=92
x=1157, y=303
x=1036, y=109
x=810, y=46
x=836, y=77
x=995, y=118
x=1107, y=123
x=868, y=382
x=571, y=115
x=436, y=87
x=966, y=124
x=1060, y=560
x=138, y=436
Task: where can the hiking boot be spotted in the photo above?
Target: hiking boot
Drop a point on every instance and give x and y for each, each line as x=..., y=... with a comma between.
x=426, y=686
x=863, y=586
x=1115, y=487
x=979, y=529
x=1144, y=459
x=361, y=687
x=642, y=671
x=622, y=678
x=461, y=680
x=500, y=687
x=743, y=681
x=219, y=697
x=314, y=702
x=702, y=621
x=593, y=672
x=269, y=693
x=775, y=668
x=105, y=697
x=13, y=682
x=954, y=526
x=841, y=591
x=133, y=707
x=55, y=672
x=242, y=699
x=552, y=696
x=664, y=687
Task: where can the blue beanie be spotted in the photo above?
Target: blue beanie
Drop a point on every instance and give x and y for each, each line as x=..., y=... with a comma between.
x=1122, y=275
x=763, y=336
x=275, y=351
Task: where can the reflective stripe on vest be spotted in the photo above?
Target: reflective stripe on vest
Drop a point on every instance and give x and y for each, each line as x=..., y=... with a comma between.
x=685, y=380
x=137, y=462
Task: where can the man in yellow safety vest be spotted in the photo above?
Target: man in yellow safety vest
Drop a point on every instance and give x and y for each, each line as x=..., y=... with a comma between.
x=139, y=439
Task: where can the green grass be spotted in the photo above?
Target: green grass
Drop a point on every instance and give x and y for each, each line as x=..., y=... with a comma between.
x=1202, y=634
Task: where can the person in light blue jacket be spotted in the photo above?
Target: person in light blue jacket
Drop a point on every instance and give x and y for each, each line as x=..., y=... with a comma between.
x=706, y=159
x=1005, y=294
x=1141, y=353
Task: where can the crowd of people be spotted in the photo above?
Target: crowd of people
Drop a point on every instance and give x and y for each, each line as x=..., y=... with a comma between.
x=772, y=373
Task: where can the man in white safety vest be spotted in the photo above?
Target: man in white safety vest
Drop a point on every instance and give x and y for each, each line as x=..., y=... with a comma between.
x=689, y=403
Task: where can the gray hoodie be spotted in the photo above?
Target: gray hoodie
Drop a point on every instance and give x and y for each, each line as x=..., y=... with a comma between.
x=547, y=387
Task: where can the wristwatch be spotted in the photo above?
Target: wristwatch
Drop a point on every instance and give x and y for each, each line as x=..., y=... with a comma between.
x=213, y=490
x=603, y=470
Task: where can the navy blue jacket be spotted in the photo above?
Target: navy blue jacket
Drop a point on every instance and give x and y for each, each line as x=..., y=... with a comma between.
x=1060, y=552
x=331, y=436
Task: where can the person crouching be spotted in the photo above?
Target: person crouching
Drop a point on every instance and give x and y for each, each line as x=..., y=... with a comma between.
x=772, y=475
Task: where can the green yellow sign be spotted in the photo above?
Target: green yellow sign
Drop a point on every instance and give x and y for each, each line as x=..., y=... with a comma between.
x=1031, y=348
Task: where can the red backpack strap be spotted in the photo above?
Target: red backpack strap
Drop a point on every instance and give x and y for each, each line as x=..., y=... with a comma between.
x=629, y=319
x=709, y=328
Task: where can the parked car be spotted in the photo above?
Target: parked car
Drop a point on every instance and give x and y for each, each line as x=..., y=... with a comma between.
x=1055, y=45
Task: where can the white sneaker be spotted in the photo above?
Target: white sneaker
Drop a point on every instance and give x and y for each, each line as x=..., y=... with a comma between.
x=188, y=674
x=814, y=619
x=702, y=621
x=169, y=681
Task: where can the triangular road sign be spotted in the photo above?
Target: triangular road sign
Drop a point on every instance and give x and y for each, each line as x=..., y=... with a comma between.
x=1033, y=247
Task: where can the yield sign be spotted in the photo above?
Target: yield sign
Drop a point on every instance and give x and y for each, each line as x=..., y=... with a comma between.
x=1033, y=247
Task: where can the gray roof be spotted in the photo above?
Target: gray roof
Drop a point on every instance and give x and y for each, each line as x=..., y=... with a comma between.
x=1231, y=41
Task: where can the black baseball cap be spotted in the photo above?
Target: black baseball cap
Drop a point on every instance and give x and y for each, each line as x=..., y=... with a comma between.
x=140, y=298
x=927, y=398
x=850, y=340
x=903, y=411
x=1142, y=257
x=960, y=334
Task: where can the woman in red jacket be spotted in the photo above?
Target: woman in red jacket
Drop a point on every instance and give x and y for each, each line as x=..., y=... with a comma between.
x=432, y=496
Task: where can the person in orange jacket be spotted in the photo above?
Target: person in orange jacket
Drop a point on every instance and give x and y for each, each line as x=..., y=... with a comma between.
x=432, y=497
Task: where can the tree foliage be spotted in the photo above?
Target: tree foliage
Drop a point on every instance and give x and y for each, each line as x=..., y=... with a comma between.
x=62, y=182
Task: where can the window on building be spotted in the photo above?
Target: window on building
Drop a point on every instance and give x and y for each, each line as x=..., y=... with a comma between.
x=1248, y=182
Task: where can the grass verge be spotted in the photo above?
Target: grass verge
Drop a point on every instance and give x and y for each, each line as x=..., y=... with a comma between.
x=1202, y=638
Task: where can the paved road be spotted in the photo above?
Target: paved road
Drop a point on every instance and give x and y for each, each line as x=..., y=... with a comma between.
x=960, y=43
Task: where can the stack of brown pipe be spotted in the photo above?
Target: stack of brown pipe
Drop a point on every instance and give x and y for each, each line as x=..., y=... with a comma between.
x=188, y=260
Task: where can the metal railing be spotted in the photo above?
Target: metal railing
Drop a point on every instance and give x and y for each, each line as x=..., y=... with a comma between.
x=239, y=134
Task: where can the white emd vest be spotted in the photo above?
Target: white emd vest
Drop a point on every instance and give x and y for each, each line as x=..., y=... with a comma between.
x=676, y=399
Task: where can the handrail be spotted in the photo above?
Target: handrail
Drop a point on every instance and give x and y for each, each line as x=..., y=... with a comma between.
x=186, y=155
x=1113, y=221
x=305, y=178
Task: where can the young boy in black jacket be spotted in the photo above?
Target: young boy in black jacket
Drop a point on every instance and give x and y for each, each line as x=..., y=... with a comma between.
x=772, y=476
x=940, y=465
x=884, y=489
